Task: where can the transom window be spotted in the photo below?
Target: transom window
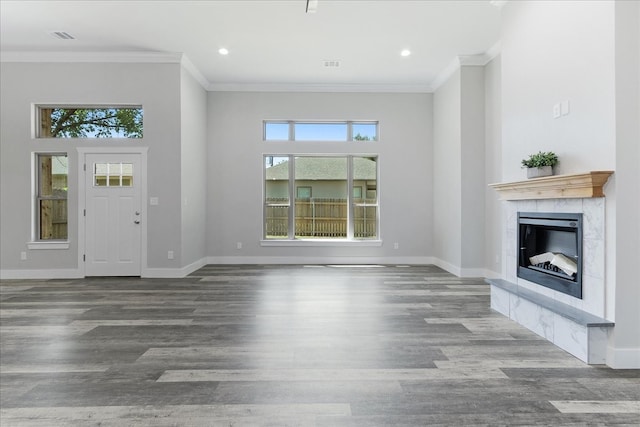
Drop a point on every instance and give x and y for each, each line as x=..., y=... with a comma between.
x=320, y=197
x=320, y=131
x=52, y=171
x=89, y=122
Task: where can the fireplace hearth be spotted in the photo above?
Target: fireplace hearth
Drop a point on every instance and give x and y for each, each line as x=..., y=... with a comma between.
x=550, y=250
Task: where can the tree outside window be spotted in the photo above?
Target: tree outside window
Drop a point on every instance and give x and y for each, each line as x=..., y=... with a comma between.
x=81, y=122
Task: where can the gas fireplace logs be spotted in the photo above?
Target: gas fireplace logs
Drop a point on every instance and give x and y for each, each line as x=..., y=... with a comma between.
x=564, y=263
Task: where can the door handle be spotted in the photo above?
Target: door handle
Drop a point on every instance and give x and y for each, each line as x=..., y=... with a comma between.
x=136, y=222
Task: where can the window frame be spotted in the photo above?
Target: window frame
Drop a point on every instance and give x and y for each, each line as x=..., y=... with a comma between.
x=37, y=242
x=349, y=124
x=291, y=239
x=37, y=125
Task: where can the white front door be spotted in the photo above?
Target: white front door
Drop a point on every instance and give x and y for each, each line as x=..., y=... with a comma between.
x=113, y=215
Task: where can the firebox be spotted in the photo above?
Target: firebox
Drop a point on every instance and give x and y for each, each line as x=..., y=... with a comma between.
x=550, y=250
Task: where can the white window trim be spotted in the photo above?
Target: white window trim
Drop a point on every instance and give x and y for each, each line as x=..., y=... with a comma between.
x=51, y=245
x=291, y=240
x=35, y=243
x=320, y=243
x=348, y=123
x=36, y=118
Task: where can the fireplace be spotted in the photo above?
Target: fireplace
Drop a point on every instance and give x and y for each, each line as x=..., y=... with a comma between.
x=550, y=250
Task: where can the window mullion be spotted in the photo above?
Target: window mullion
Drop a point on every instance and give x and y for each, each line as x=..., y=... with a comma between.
x=350, y=221
x=292, y=131
x=292, y=200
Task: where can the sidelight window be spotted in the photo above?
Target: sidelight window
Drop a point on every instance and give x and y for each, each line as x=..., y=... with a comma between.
x=52, y=171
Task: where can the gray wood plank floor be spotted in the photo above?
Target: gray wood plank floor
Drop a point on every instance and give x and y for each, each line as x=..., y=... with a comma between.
x=289, y=346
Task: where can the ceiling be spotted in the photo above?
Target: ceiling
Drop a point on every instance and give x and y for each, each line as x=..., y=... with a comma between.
x=270, y=43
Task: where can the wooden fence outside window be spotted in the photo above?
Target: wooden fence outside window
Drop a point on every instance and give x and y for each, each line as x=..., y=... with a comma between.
x=321, y=218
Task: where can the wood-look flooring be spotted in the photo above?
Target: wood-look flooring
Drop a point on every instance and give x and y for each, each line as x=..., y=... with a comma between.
x=289, y=346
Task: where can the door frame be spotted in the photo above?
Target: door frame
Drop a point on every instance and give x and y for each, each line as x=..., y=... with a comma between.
x=82, y=202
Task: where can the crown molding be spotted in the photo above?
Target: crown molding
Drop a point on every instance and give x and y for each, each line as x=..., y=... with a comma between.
x=195, y=72
x=107, y=57
x=77, y=56
x=64, y=56
x=310, y=87
x=493, y=51
x=466, y=60
x=185, y=62
x=445, y=74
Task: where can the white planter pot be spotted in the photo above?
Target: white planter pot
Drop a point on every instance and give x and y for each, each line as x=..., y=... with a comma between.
x=538, y=172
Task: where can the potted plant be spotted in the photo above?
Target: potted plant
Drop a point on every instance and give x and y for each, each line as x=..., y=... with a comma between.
x=540, y=164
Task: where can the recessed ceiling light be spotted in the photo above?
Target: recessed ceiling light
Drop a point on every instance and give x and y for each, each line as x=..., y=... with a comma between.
x=223, y=51
x=405, y=52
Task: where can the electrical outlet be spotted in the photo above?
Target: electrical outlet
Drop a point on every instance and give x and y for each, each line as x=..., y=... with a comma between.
x=395, y=245
x=239, y=245
x=23, y=256
x=556, y=111
x=170, y=255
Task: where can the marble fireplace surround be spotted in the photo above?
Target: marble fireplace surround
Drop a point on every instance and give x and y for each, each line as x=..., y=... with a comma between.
x=576, y=325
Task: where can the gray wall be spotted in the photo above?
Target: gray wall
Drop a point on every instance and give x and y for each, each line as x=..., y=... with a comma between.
x=459, y=172
x=555, y=51
x=154, y=86
x=472, y=168
x=193, y=160
x=626, y=335
x=447, y=172
x=235, y=169
x=586, y=53
x=493, y=167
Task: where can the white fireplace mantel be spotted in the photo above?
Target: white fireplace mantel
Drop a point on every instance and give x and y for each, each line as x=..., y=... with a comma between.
x=583, y=185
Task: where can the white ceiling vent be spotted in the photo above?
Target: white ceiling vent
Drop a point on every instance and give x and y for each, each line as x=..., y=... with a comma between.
x=62, y=35
x=331, y=63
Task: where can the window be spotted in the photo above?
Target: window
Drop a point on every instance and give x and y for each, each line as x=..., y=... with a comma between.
x=276, y=131
x=320, y=131
x=51, y=196
x=303, y=192
x=364, y=131
x=90, y=122
x=113, y=175
x=320, y=197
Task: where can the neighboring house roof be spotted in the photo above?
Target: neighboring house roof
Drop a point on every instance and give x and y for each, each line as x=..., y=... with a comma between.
x=324, y=169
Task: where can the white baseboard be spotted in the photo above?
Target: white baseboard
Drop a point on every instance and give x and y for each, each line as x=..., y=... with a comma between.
x=167, y=273
x=174, y=273
x=623, y=358
x=234, y=260
x=319, y=260
x=62, y=273
x=453, y=269
x=466, y=272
